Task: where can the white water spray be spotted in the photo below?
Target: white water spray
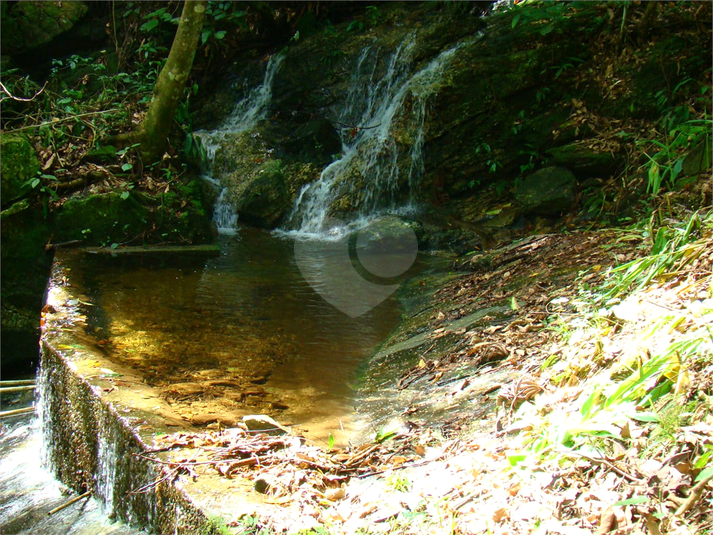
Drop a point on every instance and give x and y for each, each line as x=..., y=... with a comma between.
x=371, y=152
x=245, y=116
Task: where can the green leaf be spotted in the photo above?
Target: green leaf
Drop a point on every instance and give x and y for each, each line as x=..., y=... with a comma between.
x=114, y=245
x=127, y=167
x=704, y=474
x=646, y=417
x=124, y=195
x=150, y=25
x=677, y=167
x=205, y=35
x=703, y=460
x=515, y=20
x=35, y=182
x=654, y=178
x=633, y=501
x=515, y=459
x=221, y=34
x=330, y=441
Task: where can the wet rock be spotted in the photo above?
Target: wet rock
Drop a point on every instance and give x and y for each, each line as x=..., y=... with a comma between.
x=183, y=389
x=25, y=268
x=549, y=191
x=19, y=165
x=315, y=141
x=262, y=422
x=264, y=200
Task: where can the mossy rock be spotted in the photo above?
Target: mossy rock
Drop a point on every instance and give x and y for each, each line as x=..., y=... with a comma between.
x=549, y=191
x=19, y=165
x=25, y=269
x=264, y=201
x=101, y=155
x=101, y=219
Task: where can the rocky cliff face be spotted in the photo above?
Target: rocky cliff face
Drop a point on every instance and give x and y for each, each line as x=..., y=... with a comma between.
x=524, y=89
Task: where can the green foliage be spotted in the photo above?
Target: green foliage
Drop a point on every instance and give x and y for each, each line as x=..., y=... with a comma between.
x=220, y=17
x=539, y=15
x=399, y=483
x=646, y=390
x=491, y=160
x=672, y=249
x=665, y=158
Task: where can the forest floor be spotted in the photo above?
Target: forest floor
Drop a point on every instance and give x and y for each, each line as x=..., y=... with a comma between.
x=588, y=409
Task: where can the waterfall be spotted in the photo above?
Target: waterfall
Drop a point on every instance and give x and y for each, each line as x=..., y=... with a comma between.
x=245, y=116
x=373, y=115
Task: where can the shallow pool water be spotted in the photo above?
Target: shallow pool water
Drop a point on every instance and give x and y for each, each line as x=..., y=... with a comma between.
x=243, y=332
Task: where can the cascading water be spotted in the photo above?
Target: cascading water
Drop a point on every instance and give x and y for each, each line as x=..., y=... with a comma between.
x=381, y=137
x=245, y=115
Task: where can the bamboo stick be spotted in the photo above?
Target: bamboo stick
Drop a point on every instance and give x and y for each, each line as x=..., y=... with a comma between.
x=9, y=389
x=17, y=383
x=70, y=502
x=16, y=412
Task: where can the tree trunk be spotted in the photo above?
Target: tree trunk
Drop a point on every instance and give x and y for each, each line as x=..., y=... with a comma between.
x=156, y=126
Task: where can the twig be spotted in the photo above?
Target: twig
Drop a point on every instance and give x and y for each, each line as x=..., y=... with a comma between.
x=239, y=462
x=17, y=383
x=696, y=493
x=610, y=465
x=55, y=121
x=70, y=502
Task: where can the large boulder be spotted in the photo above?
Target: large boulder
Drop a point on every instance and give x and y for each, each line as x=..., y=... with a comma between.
x=585, y=161
x=106, y=217
x=19, y=166
x=28, y=25
x=549, y=191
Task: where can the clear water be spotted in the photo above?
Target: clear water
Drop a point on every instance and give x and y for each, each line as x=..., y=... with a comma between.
x=249, y=318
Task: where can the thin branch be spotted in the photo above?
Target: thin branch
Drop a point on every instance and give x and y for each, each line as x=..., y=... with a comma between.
x=696, y=493
x=13, y=97
x=70, y=502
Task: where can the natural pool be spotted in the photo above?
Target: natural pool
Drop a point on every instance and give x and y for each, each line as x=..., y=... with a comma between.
x=242, y=332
